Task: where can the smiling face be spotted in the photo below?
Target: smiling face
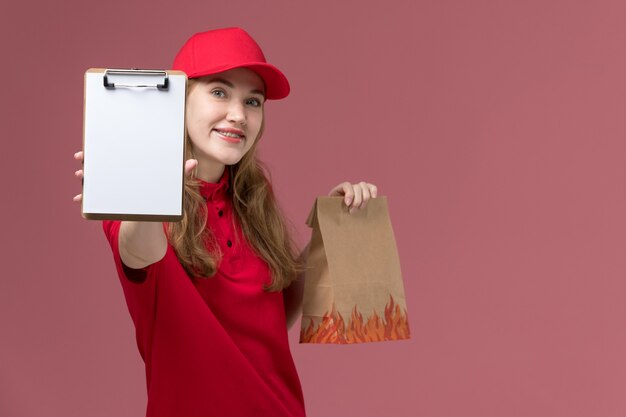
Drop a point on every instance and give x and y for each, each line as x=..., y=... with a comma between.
x=224, y=118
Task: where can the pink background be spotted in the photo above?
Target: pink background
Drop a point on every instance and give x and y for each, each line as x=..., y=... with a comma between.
x=495, y=128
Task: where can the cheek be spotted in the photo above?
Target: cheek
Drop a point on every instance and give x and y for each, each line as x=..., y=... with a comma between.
x=254, y=135
x=195, y=128
x=196, y=120
x=196, y=108
x=190, y=116
x=256, y=120
x=191, y=127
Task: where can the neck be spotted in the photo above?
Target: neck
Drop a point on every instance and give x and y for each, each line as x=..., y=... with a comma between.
x=210, y=172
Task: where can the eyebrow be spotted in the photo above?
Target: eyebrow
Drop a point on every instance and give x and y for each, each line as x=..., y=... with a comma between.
x=228, y=83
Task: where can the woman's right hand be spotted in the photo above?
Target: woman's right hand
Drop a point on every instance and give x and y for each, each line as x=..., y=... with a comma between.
x=190, y=164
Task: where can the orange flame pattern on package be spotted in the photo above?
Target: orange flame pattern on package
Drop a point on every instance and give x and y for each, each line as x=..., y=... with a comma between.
x=333, y=329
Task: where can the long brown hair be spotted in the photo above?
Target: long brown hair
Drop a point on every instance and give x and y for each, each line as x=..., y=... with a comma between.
x=256, y=211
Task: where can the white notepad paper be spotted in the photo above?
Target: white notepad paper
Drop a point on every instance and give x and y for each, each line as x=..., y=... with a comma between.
x=134, y=145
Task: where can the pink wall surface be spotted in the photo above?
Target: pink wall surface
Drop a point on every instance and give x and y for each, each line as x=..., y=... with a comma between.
x=495, y=128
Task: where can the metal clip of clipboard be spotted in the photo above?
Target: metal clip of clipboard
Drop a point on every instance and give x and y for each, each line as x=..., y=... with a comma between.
x=134, y=71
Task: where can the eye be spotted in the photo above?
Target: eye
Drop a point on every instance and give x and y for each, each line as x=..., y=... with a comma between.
x=253, y=102
x=218, y=93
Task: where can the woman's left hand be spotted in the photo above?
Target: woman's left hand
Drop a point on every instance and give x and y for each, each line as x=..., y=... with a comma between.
x=356, y=195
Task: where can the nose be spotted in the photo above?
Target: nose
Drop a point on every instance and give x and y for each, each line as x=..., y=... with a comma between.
x=236, y=113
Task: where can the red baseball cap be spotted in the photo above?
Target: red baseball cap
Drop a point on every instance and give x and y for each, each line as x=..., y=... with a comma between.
x=219, y=50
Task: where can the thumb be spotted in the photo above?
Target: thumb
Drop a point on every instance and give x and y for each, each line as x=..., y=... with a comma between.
x=190, y=164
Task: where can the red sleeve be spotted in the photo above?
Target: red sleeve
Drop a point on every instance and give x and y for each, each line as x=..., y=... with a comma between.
x=139, y=286
x=112, y=231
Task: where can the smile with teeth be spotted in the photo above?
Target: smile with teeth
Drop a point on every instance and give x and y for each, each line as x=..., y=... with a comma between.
x=229, y=134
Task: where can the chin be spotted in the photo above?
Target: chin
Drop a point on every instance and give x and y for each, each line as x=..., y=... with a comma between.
x=223, y=156
x=231, y=160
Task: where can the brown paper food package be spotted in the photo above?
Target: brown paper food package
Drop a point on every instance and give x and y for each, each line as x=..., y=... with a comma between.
x=353, y=290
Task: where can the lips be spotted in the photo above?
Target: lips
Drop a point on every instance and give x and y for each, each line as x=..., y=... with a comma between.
x=231, y=133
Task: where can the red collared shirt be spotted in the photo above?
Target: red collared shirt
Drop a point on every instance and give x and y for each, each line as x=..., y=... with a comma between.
x=212, y=346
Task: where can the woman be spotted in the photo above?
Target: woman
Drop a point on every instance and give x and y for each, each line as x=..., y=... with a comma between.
x=212, y=296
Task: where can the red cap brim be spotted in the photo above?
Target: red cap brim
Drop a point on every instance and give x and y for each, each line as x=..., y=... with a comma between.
x=276, y=84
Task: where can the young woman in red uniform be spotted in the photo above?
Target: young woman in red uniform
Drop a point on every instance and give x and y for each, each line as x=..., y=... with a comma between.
x=212, y=296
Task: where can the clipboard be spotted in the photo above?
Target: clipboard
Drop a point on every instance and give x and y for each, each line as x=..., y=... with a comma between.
x=133, y=144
